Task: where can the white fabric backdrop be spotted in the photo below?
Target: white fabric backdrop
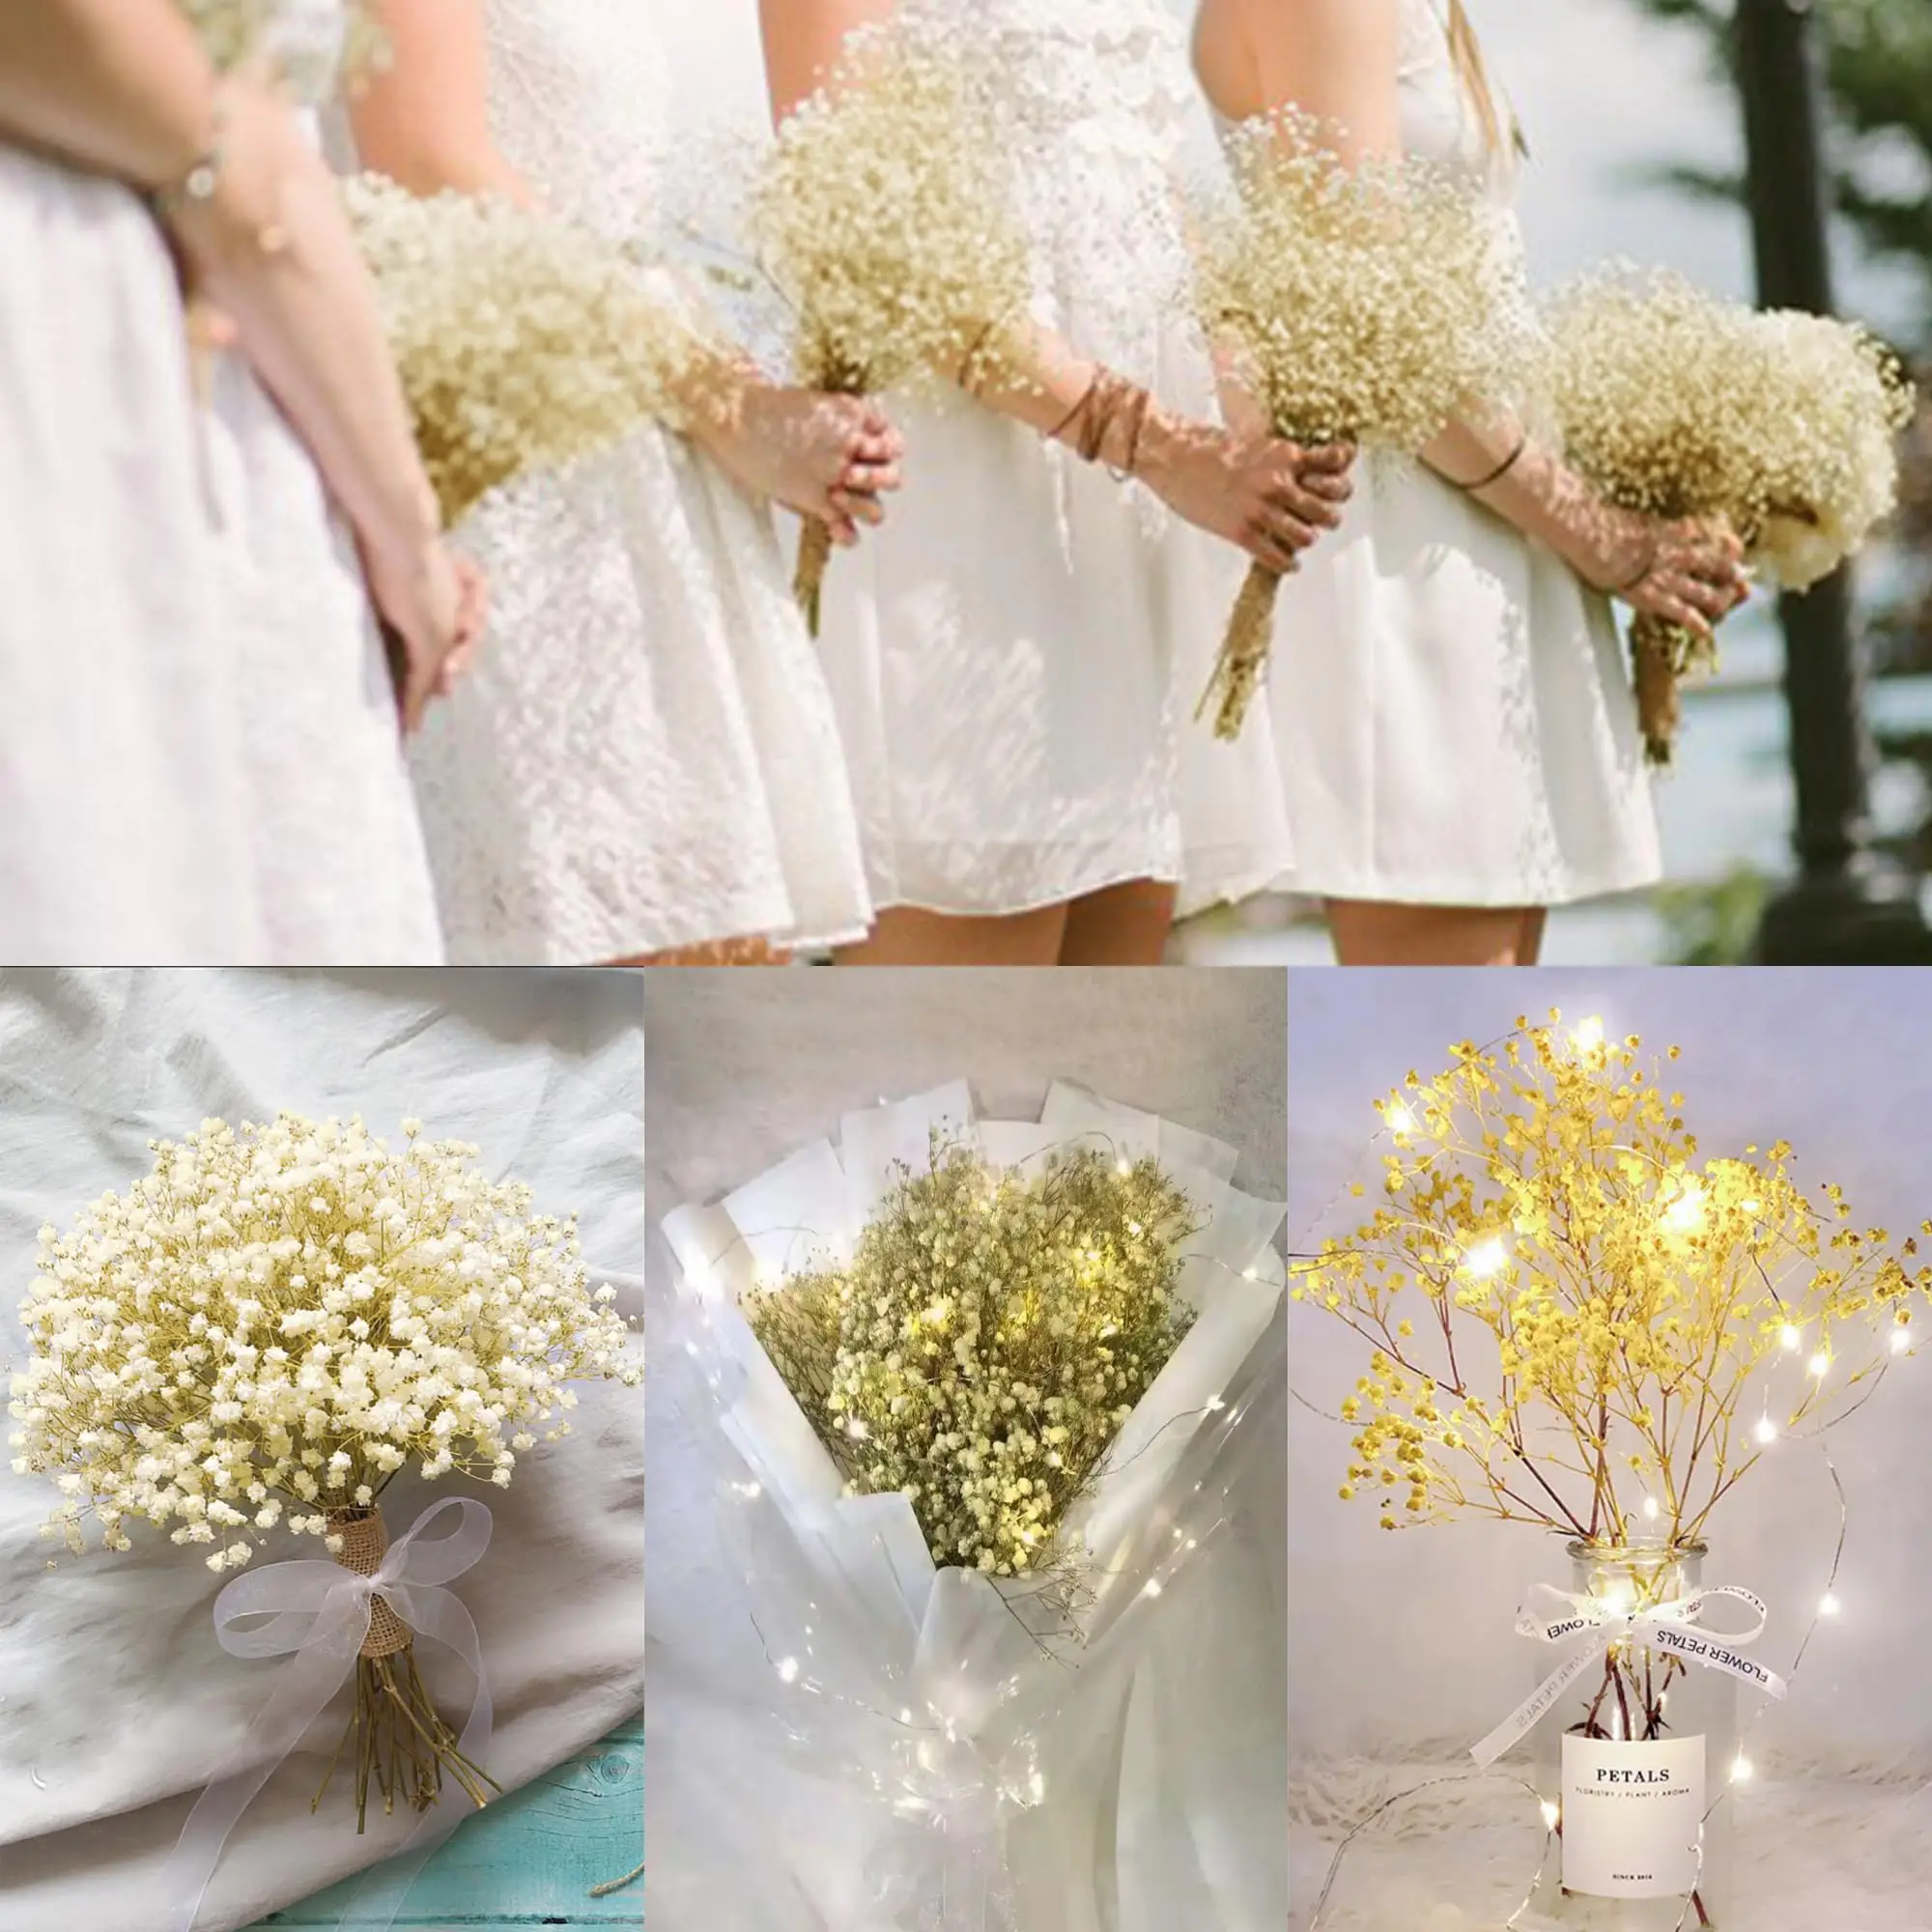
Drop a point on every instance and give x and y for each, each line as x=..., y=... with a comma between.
x=116, y=1704
x=1400, y=1645
x=745, y=1068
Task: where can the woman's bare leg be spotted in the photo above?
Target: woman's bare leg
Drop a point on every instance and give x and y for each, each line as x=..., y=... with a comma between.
x=907, y=936
x=1535, y=921
x=1370, y=934
x=1120, y=925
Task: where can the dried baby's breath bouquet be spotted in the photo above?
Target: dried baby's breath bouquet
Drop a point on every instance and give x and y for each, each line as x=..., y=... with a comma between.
x=1572, y=1318
x=1565, y=1307
x=261, y=1333
x=885, y=217
x=988, y=1340
x=1364, y=305
x=1784, y=426
x=523, y=342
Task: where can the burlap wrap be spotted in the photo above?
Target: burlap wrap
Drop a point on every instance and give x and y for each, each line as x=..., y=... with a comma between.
x=365, y=1541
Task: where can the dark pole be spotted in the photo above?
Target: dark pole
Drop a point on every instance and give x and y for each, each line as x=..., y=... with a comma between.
x=1848, y=904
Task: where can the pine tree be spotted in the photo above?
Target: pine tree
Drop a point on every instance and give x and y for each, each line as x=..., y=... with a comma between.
x=1878, y=56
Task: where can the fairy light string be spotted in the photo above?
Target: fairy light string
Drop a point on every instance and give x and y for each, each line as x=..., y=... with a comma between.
x=1681, y=1201
x=1117, y=1586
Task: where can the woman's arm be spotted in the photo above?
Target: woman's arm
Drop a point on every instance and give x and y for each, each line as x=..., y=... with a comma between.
x=121, y=87
x=120, y=91
x=425, y=123
x=424, y=120
x=1269, y=497
x=1333, y=59
x=1339, y=59
x=803, y=40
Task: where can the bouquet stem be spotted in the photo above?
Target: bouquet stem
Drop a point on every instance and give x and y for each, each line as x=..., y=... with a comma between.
x=815, y=554
x=401, y=1746
x=1244, y=653
x=1663, y=655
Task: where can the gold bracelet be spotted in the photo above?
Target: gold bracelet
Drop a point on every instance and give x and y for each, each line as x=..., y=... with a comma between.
x=201, y=179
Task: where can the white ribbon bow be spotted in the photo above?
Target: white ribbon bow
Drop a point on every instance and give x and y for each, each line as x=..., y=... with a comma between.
x=319, y=1614
x=1604, y=1622
x=951, y=1873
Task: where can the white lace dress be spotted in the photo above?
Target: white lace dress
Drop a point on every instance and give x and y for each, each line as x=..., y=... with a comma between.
x=645, y=758
x=1454, y=722
x=1015, y=655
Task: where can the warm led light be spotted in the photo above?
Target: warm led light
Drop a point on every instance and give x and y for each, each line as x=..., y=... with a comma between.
x=1901, y=1341
x=1152, y=1587
x=1790, y=1339
x=1123, y=1167
x=1400, y=1119
x=1486, y=1257
x=1551, y=1814
x=1819, y=1363
x=1766, y=1429
x=1250, y=1273
x=1741, y=1769
x=1828, y=1606
x=1650, y=1508
x=789, y=1669
x=1686, y=1215
x=1037, y=1784
x=1586, y=1035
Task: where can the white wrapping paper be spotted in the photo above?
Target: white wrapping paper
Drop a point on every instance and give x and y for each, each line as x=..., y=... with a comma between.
x=116, y=1702
x=928, y=1750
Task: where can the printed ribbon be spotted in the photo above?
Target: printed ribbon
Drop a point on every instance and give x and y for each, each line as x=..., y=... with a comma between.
x=318, y=1615
x=1602, y=1622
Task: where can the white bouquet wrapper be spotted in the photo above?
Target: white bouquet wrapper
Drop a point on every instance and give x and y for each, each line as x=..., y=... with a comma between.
x=957, y=1703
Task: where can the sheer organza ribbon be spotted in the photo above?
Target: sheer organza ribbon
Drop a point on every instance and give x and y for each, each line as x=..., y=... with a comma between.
x=946, y=1777
x=956, y=1866
x=1604, y=1622
x=317, y=1615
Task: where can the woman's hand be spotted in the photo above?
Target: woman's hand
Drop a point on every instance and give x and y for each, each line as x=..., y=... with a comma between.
x=1264, y=494
x=828, y=457
x=1688, y=572
x=433, y=601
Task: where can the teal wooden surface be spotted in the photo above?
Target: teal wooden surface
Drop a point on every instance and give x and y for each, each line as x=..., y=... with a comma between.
x=531, y=1859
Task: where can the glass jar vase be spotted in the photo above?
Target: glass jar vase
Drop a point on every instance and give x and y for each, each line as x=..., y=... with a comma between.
x=1631, y=1762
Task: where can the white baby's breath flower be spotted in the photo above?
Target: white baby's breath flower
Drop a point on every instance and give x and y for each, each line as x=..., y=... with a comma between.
x=1676, y=404
x=887, y=216
x=146, y=1399
x=964, y=1434
x=523, y=342
x=1363, y=304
